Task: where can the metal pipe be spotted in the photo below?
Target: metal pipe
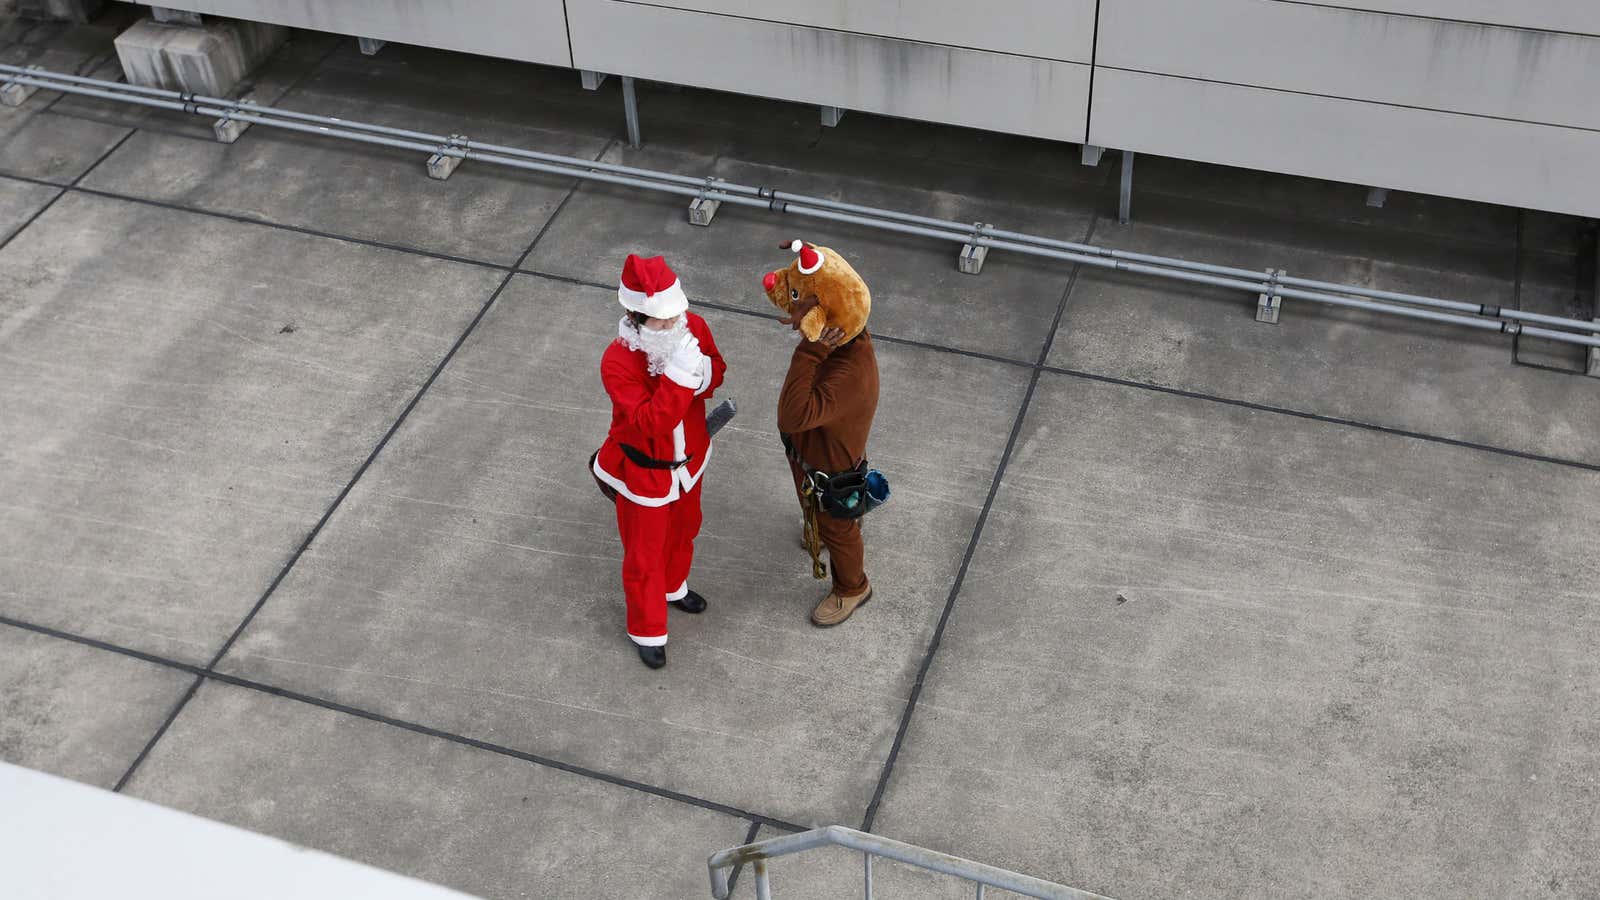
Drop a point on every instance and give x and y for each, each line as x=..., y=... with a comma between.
x=864, y=842
x=1476, y=315
x=763, y=886
x=868, y=858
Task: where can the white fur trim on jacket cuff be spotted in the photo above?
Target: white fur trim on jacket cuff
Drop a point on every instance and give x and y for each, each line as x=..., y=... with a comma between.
x=660, y=641
x=680, y=593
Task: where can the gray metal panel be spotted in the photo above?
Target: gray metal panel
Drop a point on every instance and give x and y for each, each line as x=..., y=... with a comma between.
x=1513, y=73
x=1578, y=16
x=1023, y=95
x=1537, y=166
x=530, y=30
x=1050, y=29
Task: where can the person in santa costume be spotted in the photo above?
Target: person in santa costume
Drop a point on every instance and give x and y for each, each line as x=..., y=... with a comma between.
x=659, y=372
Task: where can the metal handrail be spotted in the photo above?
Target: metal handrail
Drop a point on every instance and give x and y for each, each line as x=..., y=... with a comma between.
x=1479, y=316
x=872, y=846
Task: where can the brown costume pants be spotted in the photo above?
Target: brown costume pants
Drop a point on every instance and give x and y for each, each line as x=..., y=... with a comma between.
x=847, y=555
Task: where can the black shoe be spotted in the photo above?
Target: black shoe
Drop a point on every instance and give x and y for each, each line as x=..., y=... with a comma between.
x=690, y=603
x=654, y=657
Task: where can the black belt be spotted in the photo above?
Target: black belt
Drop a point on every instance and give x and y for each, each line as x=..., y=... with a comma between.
x=648, y=462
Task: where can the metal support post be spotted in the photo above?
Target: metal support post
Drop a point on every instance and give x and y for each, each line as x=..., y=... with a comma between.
x=592, y=80
x=228, y=129
x=1594, y=352
x=1376, y=197
x=175, y=16
x=973, y=254
x=868, y=858
x=370, y=46
x=1125, y=197
x=443, y=164
x=14, y=94
x=831, y=116
x=763, y=886
x=1270, y=303
x=703, y=209
x=630, y=109
x=1092, y=154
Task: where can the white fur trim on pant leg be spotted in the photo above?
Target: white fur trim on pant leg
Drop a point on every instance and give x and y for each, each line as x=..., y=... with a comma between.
x=660, y=641
x=680, y=593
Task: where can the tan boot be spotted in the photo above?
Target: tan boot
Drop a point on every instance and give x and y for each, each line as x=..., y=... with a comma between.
x=836, y=607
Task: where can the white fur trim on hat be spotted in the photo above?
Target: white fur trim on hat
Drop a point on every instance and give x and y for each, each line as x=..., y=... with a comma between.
x=665, y=304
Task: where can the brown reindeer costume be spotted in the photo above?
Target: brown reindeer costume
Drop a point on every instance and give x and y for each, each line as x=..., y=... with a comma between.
x=828, y=401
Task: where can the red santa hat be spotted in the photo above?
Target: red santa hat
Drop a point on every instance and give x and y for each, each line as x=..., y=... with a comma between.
x=810, y=258
x=650, y=287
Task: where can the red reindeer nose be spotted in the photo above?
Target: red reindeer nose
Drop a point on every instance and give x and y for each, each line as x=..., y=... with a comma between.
x=769, y=281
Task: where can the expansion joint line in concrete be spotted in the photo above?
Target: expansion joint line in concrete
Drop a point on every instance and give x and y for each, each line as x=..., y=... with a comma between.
x=203, y=673
x=210, y=668
x=972, y=546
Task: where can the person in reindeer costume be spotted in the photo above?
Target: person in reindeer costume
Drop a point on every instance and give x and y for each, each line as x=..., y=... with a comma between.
x=659, y=372
x=825, y=413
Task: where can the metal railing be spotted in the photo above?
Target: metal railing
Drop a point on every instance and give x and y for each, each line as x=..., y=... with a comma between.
x=1265, y=283
x=872, y=846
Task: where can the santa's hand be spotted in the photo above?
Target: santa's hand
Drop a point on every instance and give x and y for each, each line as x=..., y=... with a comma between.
x=684, y=366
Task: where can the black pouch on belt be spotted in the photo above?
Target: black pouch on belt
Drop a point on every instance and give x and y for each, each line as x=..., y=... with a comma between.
x=850, y=494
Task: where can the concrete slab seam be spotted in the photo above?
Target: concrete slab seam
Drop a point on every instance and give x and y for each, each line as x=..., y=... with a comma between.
x=339, y=500
x=400, y=248
x=972, y=545
x=1331, y=420
x=414, y=727
x=749, y=838
x=63, y=189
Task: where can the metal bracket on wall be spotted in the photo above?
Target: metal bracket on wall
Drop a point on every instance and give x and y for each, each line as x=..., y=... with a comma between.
x=1376, y=197
x=443, y=164
x=370, y=46
x=703, y=209
x=1092, y=154
x=1125, y=195
x=1270, y=303
x=831, y=116
x=175, y=16
x=592, y=80
x=973, y=254
x=14, y=94
x=227, y=129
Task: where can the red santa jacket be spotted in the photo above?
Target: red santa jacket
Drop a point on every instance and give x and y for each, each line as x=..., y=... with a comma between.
x=661, y=416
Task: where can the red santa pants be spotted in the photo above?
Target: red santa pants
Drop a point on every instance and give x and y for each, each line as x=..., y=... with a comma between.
x=657, y=550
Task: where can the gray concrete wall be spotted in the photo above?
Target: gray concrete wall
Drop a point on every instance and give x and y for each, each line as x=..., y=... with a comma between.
x=1477, y=99
x=914, y=79
x=1403, y=98
x=528, y=30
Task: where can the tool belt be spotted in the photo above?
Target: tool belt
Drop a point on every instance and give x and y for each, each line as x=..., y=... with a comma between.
x=850, y=494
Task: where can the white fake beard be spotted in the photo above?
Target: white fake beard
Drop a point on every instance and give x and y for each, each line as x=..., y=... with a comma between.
x=657, y=345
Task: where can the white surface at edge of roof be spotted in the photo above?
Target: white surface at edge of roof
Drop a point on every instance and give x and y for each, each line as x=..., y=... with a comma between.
x=63, y=840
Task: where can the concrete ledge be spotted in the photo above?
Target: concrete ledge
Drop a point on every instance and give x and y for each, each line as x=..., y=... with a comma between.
x=208, y=59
